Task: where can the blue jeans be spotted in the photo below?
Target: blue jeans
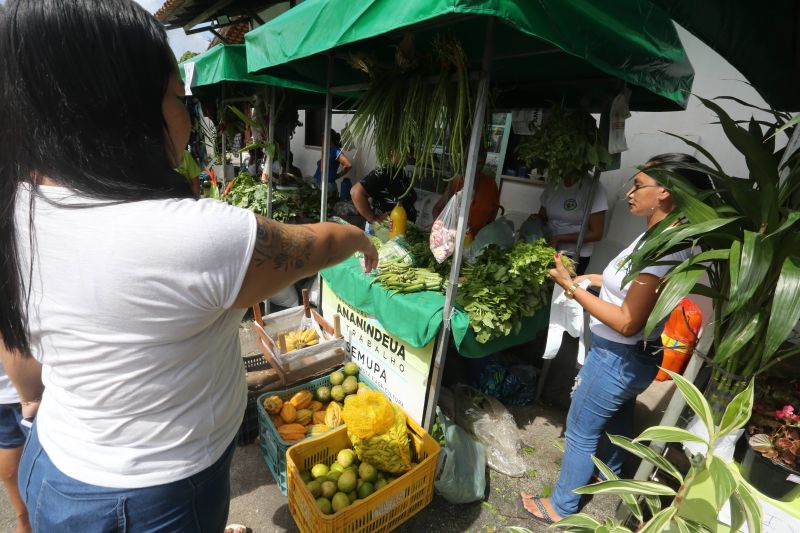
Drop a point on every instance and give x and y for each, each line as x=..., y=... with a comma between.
x=12, y=432
x=602, y=402
x=57, y=502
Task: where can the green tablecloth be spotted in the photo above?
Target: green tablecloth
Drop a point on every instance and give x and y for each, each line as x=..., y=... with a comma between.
x=416, y=318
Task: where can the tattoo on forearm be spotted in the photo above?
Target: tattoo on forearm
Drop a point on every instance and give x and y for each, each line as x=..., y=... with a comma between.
x=283, y=249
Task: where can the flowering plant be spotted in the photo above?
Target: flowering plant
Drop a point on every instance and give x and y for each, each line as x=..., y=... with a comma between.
x=782, y=445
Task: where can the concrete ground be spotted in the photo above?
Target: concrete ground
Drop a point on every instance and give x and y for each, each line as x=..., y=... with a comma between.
x=257, y=502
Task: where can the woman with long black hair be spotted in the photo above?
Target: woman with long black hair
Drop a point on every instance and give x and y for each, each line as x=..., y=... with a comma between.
x=119, y=320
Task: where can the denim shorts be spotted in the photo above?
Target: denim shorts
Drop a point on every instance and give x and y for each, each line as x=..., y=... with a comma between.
x=57, y=502
x=12, y=432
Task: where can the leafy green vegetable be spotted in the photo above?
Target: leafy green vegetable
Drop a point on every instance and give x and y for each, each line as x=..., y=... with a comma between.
x=504, y=286
x=287, y=206
x=567, y=144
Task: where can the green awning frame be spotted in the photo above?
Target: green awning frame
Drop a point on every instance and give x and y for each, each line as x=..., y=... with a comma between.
x=581, y=51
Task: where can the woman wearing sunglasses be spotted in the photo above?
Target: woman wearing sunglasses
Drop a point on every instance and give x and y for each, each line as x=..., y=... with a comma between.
x=620, y=364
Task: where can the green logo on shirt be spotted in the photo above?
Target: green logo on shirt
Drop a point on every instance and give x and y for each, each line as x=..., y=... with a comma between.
x=570, y=204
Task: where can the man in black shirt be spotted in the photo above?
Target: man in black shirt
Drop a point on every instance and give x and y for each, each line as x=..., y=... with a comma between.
x=383, y=186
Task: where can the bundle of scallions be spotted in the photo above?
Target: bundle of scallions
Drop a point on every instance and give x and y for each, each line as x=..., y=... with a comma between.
x=397, y=276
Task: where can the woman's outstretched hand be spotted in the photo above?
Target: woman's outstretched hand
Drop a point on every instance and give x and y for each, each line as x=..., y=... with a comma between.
x=559, y=274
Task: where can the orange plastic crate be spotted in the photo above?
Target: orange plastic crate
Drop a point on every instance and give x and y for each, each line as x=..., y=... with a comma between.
x=383, y=510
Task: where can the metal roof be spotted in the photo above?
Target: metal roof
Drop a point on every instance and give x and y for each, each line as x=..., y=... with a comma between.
x=187, y=14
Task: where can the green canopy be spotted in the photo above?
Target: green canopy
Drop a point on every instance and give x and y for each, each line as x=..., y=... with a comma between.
x=760, y=39
x=579, y=51
x=227, y=63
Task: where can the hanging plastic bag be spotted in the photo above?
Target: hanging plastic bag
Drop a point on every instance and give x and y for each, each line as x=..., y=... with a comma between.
x=532, y=230
x=462, y=464
x=378, y=431
x=491, y=423
x=500, y=233
x=443, y=231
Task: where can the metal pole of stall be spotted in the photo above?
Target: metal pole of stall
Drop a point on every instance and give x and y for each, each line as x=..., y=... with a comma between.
x=325, y=161
x=587, y=213
x=224, y=155
x=270, y=141
x=432, y=397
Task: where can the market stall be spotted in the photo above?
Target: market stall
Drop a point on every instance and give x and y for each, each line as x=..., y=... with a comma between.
x=532, y=54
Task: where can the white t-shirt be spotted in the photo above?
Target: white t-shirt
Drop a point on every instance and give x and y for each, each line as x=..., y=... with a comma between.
x=131, y=317
x=565, y=207
x=613, y=291
x=8, y=393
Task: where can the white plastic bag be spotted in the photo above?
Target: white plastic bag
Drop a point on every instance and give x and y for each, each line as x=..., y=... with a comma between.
x=443, y=231
x=491, y=424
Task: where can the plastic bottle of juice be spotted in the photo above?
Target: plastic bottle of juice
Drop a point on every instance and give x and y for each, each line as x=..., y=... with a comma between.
x=397, y=221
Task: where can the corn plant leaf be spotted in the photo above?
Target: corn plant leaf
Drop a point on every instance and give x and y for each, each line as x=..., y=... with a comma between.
x=794, y=121
x=790, y=221
x=750, y=507
x=785, y=310
x=697, y=147
x=668, y=434
x=742, y=328
x=646, y=453
x=760, y=161
x=244, y=118
x=659, y=521
x=724, y=481
x=628, y=499
x=694, y=399
x=685, y=197
x=702, y=257
x=626, y=486
x=754, y=265
x=676, y=287
x=738, y=412
x=580, y=521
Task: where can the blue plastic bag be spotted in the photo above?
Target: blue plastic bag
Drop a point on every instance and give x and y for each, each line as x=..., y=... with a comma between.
x=462, y=464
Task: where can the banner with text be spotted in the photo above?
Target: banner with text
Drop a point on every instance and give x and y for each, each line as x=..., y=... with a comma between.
x=397, y=368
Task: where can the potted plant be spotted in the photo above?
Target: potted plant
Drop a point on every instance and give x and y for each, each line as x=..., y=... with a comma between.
x=773, y=459
x=746, y=235
x=709, y=484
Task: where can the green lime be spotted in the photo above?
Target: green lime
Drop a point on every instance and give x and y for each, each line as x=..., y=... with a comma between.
x=333, y=476
x=328, y=489
x=347, y=482
x=346, y=457
x=337, y=393
x=350, y=385
x=323, y=394
x=362, y=388
x=380, y=484
x=336, y=378
x=367, y=472
x=350, y=369
x=353, y=496
x=319, y=471
x=340, y=501
x=337, y=467
x=365, y=490
x=324, y=505
x=315, y=488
